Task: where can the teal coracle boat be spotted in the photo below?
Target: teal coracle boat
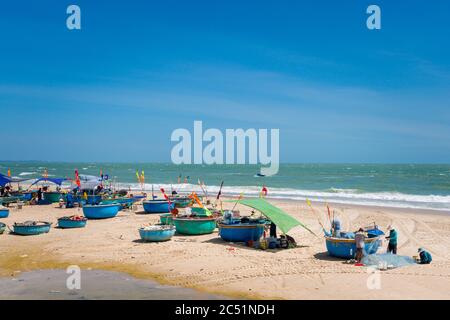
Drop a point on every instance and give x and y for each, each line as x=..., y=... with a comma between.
x=101, y=211
x=241, y=232
x=158, y=206
x=346, y=248
x=30, y=228
x=53, y=197
x=4, y=212
x=157, y=233
x=181, y=202
x=195, y=225
x=72, y=222
x=2, y=227
x=166, y=218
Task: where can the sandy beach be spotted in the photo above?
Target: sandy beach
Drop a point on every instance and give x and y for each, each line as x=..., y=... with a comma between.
x=208, y=264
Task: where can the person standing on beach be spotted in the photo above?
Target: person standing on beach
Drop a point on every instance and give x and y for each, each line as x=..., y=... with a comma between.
x=359, y=238
x=392, y=246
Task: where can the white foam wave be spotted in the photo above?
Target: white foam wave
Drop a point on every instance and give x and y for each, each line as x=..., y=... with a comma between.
x=334, y=195
x=26, y=173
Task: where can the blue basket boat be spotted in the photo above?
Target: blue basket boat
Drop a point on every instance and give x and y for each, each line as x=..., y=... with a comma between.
x=2, y=227
x=157, y=233
x=30, y=228
x=346, y=248
x=158, y=206
x=101, y=211
x=241, y=232
x=4, y=212
x=72, y=222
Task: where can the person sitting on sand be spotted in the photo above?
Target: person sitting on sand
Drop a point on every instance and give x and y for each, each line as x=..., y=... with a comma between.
x=425, y=256
x=359, y=238
x=392, y=246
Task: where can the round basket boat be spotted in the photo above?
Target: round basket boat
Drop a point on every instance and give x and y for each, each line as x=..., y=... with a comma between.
x=2, y=227
x=4, y=212
x=195, y=225
x=181, y=202
x=53, y=197
x=101, y=211
x=72, y=222
x=30, y=228
x=166, y=218
x=157, y=233
x=346, y=248
x=241, y=232
x=157, y=206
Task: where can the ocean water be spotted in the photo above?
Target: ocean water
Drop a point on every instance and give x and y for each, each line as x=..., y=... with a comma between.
x=425, y=186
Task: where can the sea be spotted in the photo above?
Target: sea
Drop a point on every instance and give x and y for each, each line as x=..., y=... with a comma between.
x=421, y=186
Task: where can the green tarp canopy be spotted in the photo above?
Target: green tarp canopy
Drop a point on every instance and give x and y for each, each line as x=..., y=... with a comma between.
x=282, y=220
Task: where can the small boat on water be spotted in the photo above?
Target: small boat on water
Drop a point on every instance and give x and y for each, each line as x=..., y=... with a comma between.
x=241, y=230
x=158, y=206
x=4, y=212
x=2, y=227
x=157, y=233
x=29, y=228
x=101, y=211
x=72, y=222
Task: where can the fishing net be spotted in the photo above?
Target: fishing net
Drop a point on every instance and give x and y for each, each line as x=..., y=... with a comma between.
x=387, y=261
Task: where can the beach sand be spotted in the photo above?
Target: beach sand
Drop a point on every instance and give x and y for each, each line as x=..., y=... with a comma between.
x=209, y=264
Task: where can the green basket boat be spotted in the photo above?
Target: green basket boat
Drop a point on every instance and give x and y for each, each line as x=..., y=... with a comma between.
x=53, y=197
x=2, y=227
x=195, y=225
x=166, y=218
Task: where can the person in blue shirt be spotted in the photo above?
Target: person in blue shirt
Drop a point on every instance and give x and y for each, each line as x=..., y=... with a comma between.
x=425, y=256
x=392, y=246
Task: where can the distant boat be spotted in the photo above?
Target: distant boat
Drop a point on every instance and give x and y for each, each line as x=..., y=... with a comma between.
x=260, y=175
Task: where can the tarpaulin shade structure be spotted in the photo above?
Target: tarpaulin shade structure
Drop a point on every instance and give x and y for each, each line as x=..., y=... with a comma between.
x=57, y=181
x=88, y=182
x=282, y=220
x=4, y=180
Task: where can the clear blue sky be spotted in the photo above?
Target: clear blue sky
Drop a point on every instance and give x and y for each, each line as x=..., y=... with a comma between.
x=137, y=70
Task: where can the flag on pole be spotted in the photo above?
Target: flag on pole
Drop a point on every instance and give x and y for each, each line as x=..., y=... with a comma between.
x=77, y=178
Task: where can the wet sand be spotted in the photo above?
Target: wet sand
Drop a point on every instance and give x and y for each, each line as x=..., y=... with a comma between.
x=94, y=285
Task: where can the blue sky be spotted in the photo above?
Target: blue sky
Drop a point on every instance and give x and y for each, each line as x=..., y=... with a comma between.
x=137, y=70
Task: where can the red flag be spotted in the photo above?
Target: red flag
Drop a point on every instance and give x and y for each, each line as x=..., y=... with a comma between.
x=77, y=178
x=264, y=190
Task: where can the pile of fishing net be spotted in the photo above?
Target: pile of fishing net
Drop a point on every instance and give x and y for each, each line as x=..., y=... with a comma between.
x=386, y=261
